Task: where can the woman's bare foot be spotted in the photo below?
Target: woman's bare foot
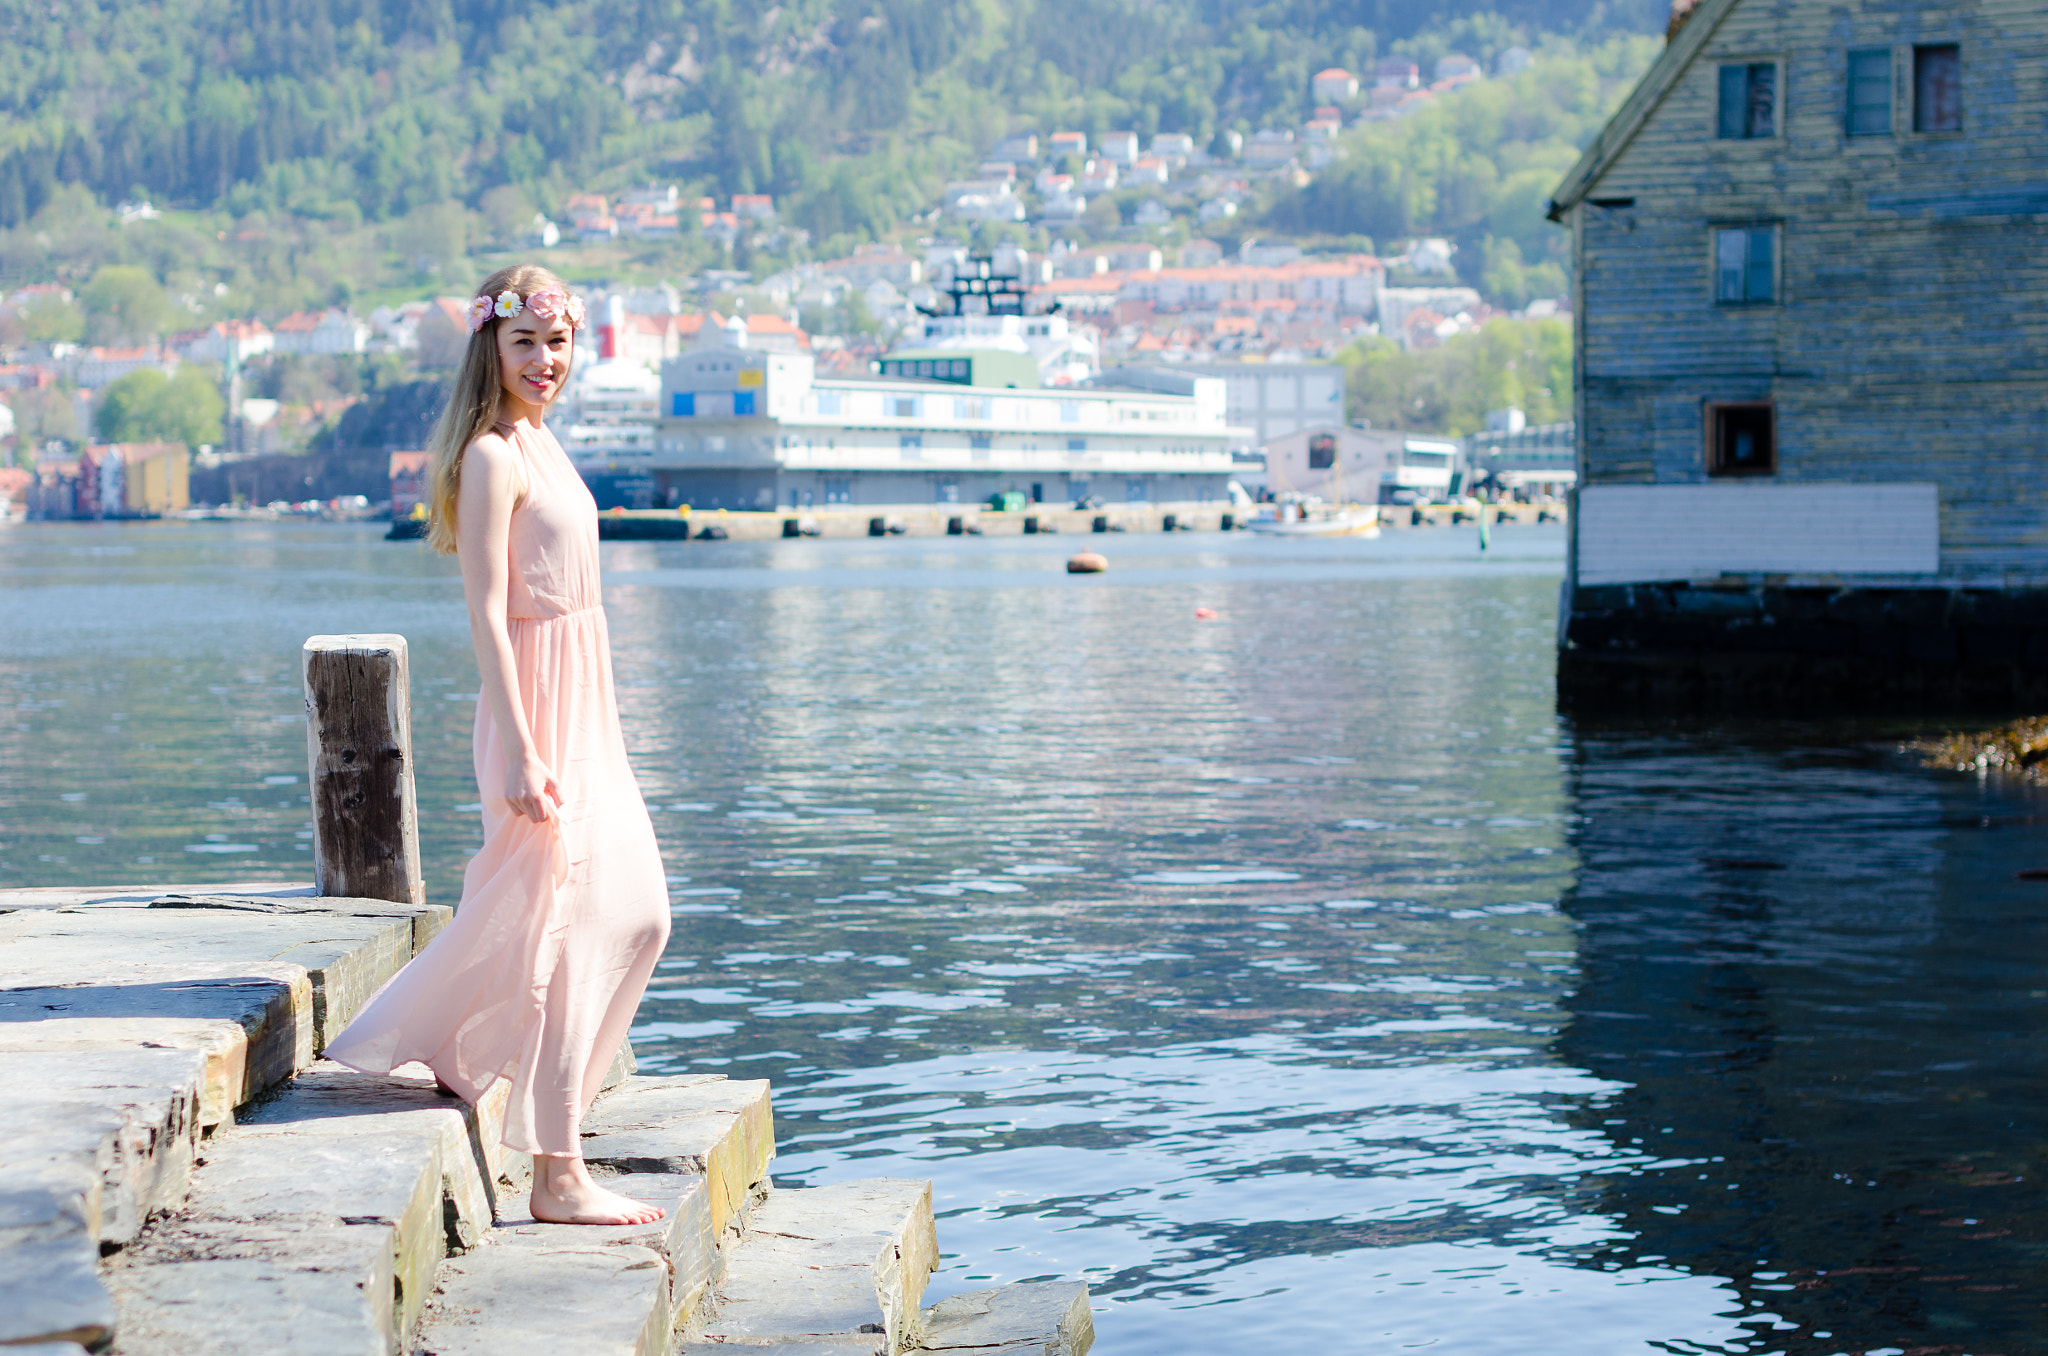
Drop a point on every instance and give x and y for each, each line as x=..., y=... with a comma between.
x=563, y=1193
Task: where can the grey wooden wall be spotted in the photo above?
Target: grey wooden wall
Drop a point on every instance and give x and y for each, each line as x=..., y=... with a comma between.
x=1909, y=341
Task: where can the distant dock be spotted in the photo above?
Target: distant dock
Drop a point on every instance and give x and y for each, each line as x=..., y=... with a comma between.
x=964, y=520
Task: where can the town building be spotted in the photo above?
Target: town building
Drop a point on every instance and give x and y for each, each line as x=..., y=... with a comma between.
x=1522, y=460
x=94, y=368
x=1267, y=401
x=1333, y=86
x=1809, y=384
x=333, y=330
x=1340, y=464
x=113, y=480
x=240, y=340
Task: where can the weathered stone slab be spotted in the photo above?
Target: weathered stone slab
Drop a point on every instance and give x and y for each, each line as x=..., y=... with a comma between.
x=830, y=1262
x=1043, y=1318
x=69, y=896
x=723, y=1130
x=549, y=1291
x=865, y=1344
x=257, y=991
x=309, y=1290
x=122, y=1122
x=49, y=1262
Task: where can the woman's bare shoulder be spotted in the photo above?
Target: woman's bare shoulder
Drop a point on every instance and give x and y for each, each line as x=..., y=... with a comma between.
x=494, y=452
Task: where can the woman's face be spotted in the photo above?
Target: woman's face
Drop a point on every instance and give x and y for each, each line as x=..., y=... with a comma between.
x=533, y=357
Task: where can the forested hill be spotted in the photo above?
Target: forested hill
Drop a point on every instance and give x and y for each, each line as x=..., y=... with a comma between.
x=850, y=111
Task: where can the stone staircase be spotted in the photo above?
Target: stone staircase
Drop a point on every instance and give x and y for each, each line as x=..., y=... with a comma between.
x=179, y=1173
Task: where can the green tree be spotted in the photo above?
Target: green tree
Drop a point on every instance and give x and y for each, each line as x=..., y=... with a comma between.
x=50, y=319
x=147, y=406
x=125, y=304
x=42, y=414
x=1526, y=364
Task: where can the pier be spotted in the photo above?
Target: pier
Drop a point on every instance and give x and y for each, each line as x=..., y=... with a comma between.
x=188, y=1174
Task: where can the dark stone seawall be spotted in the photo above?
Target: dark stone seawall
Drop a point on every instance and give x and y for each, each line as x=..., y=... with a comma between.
x=1760, y=646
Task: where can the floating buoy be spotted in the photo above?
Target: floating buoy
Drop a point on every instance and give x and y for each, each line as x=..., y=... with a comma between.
x=1205, y=614
x=1087, y=562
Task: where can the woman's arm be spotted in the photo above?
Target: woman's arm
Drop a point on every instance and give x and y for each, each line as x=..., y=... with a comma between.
x=483, y=531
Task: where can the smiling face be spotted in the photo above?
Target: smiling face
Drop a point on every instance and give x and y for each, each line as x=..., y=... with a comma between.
x=533, y=358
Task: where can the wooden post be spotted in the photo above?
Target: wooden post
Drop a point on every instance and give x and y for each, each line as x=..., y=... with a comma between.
x=366, y=840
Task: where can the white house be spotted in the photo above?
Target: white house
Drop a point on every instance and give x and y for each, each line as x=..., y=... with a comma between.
x=333, y=330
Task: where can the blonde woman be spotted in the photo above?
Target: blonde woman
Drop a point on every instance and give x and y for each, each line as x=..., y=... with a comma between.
x=565, y=907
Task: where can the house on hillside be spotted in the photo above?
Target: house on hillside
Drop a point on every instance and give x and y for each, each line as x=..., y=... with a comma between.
x=333, y=330
x=1333, y=86
x=1811, y=311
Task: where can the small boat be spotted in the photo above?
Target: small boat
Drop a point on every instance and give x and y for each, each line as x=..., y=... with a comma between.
x=1300, y=518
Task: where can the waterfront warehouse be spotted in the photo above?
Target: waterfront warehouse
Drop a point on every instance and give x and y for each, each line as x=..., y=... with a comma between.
x=741, y=428
x=1809, y=299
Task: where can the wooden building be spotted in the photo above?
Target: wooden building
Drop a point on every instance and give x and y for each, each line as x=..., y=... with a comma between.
x=1811, y=290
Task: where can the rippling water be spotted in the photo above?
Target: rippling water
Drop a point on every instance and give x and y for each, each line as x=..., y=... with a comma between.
x=1295, y=976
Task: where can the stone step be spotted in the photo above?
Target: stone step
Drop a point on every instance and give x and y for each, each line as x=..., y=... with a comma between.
x=697, y=1146
x=837, y=1268
x=316, y=1225
x=131, y=1027
x=1030, y=1318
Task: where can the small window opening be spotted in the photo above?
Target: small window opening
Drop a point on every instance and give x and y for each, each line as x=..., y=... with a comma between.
x=1749, y=101
x=1741, y=440
x=1322, y=452
x=1938, y=88
x=1870, y=93
x=1745, y=265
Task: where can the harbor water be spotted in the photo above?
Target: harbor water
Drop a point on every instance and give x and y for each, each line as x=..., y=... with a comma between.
x=1295, y=975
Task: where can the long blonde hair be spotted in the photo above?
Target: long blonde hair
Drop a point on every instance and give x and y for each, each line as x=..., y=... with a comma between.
x=473, y=402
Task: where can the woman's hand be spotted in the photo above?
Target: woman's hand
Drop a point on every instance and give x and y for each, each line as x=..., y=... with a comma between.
x=530, y=786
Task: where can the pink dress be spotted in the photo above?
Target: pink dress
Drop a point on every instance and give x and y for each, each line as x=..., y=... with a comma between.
x=537, y=977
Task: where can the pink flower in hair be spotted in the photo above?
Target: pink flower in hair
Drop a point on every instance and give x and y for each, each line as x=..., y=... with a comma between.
x=477, y=312
x=575, y=313
x=547, y=303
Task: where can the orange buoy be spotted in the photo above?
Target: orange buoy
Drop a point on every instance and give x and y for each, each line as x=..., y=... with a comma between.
x=1086, y=562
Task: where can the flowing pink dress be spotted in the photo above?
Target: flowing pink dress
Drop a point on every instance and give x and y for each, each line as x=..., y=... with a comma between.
x=537, y=977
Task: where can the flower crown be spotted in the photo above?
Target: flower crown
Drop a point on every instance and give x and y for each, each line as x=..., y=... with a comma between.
x=546, y=303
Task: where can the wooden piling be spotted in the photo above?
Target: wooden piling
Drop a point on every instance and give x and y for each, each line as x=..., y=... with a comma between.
x=366, y=842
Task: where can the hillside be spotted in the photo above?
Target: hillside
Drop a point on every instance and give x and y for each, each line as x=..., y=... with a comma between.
x=849, y=111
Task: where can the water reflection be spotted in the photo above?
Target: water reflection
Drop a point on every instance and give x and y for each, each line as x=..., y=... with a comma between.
x=1293, y=976
x=1822, y=982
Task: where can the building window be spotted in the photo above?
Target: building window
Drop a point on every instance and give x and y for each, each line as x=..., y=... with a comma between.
x=910, y=444
x=904, y=407
x=1742, y=440
x=1749, y=101
x=1322, y=452
x=965, y=407
x=839, y=492
x=1745, y=265
x=1870, y=93
x=828, y=402
x=978, y=442
x=1077, y=444
x=1070, y=411
x=1938, y=88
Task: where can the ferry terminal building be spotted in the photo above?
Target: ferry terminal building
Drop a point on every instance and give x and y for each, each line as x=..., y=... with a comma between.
x=744, y=429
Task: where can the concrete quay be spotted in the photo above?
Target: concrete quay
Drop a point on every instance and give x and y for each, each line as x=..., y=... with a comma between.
x=957, y=520
x=184, y=1173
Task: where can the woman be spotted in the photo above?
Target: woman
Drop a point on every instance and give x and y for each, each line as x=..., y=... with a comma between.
x=565, y=908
